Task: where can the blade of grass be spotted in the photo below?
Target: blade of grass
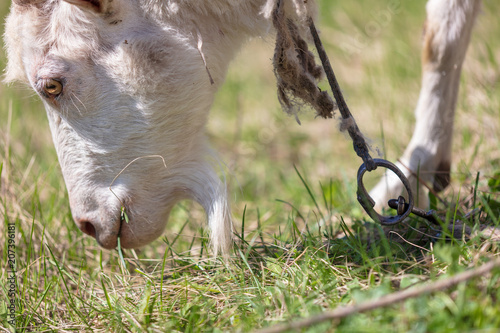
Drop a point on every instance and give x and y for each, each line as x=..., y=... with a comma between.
x=69, y=294
x=105, y=290
x=123, y=264
x=308, y=189
x=33, y=310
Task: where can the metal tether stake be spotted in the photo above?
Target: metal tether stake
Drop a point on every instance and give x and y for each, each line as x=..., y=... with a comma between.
x=361, y=147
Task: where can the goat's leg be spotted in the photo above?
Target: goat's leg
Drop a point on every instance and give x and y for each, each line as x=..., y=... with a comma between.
x=428, y=156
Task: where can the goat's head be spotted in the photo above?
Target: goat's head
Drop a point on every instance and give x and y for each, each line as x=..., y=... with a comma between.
x=118, y=85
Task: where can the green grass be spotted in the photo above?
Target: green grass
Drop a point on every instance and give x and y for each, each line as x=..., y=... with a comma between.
x=303, y=243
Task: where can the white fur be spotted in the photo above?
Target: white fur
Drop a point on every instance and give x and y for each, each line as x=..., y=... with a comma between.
x=134, y=85
x=137, y=82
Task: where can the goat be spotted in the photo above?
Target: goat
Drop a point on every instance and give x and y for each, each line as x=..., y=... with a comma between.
x=121, y=79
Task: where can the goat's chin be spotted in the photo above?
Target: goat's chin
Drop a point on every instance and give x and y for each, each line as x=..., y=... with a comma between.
x=135, y=234
x=132, y=242
x=143, y=228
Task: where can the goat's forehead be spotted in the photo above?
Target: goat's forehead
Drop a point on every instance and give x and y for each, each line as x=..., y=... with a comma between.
x=66, y=26
x=56, y=28
x=32, y=32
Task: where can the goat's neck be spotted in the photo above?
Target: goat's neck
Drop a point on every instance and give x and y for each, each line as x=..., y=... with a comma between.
x=217, y=27
x=227, y=18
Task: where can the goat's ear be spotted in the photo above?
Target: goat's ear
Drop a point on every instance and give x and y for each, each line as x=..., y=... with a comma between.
x=97, y=6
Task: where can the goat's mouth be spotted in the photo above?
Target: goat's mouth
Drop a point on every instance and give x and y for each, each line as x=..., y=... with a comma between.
x=107, y=238
x=123, y=219
x=108, y=241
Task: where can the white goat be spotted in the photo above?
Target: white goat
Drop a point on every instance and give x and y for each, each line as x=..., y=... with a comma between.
x=121, y=79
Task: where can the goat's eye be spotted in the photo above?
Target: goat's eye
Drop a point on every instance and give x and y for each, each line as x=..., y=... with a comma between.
x=52, y=87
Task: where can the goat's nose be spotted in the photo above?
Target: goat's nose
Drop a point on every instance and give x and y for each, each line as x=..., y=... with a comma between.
x=86, y=227
x=106, y=238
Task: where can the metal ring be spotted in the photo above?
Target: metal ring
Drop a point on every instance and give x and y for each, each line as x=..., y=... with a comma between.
x=367, y=202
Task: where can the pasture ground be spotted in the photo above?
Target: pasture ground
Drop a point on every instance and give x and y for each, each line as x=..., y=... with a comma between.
x=303, y=242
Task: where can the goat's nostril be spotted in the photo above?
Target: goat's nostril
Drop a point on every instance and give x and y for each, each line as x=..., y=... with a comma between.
x=87, y=228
